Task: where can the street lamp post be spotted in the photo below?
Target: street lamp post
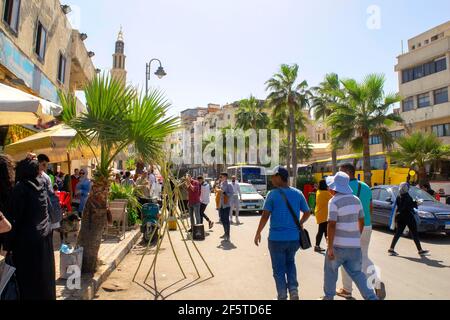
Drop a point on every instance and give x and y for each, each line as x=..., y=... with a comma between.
x=160, y=73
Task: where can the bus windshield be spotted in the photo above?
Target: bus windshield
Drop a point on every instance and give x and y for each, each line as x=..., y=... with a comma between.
x=253, y=176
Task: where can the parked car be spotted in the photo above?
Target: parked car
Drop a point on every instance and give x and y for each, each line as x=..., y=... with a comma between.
x=251, y=201
x=434, y=215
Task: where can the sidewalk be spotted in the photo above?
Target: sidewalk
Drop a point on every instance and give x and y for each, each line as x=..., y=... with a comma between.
x=111, y=254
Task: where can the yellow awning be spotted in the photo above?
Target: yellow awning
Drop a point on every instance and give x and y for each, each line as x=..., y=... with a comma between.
x=54, y=142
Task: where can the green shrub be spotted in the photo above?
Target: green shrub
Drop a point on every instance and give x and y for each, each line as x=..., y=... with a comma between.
x=120, y=192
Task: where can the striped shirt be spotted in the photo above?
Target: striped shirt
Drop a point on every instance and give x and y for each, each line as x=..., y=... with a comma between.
x=346, y=210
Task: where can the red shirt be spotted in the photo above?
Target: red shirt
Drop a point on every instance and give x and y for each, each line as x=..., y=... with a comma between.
x=194, y=192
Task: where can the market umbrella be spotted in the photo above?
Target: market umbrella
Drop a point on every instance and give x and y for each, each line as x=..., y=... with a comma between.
x=54, y=142
x=18, y=108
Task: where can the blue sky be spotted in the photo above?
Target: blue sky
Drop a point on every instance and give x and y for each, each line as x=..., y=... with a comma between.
x=220, y=51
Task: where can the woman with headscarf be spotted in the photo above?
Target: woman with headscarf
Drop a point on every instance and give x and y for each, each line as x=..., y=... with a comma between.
x=405, y=218
x=31, y=243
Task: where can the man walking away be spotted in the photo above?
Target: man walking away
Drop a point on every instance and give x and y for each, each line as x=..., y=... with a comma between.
x=194, y=201
x=226, y=192
x=74, y=180
x=284, y=236
x=205, y=198
x=364, y=194
x=235, y=200
x=345, y=225
x=128, y=181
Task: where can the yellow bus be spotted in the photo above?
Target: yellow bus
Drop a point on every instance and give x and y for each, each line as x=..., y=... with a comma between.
x=384, y=169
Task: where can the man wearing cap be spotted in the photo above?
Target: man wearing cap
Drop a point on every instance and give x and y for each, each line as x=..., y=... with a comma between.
x=345, y=226
x=284, y=236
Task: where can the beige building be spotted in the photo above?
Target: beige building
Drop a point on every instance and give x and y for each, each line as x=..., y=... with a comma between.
x=424, y=81
x=40, y=53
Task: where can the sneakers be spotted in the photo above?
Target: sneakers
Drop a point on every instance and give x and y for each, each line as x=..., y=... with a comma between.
x=294, y=296
x=393, y=253
x=211, y=225
x=344, y=294
x=223, y=237
x=319, y=249
x=325, y=299
x=381, y=292
x=423, y=252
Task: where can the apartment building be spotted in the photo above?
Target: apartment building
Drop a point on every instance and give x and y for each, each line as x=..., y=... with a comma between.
x=424, y=81
x=40, y=53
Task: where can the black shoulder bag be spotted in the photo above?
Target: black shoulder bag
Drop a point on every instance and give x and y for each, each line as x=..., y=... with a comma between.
x=305, y=241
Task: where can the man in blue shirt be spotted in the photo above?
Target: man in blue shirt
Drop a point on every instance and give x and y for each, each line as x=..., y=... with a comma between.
x=364, y=193
x=284, y=237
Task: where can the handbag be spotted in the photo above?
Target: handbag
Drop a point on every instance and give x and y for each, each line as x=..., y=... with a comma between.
x=305, y=240
x=9, y=288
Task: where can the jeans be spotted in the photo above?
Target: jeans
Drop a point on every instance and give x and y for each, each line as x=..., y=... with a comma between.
x=203, y=207
x=194, y=214
x=235, y=206
x=368, y=266
x=224, y=214
x=351, y=260
x=282, y=254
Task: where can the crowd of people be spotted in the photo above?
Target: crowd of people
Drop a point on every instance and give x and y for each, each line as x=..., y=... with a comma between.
x=343, y=209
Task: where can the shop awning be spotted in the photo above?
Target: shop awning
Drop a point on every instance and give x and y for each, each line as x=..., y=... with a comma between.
x=19, y=108
x=54, y=142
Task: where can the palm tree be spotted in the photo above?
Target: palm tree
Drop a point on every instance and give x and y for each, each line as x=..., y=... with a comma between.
x=116, y=117
x=363, y=110
x=286, y=93
x=326, y=96
x=251, y=115
x=418, y=150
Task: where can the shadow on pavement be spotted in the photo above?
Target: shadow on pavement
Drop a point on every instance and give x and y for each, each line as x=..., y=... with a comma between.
x=226, y=245
x=425, y=260
x=429, y=238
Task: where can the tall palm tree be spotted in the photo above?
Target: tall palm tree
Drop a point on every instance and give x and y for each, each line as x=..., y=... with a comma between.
x=251, y=115
x=116, y=117
x=363, y=110
x=280, y=121
x=287, y=93
x=326, y=96
x=418, y=150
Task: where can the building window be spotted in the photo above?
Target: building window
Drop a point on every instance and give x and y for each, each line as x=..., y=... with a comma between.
x=424, y=70
x=11, y=14
x=397, y=134
x=318, y=138
x=374, y=140
x=324, y=136
x=423, y=100
x=408, y=104
x=441, y=65
x=442, y=130
x=61, y=69
x=441, y=96
x=41, y=41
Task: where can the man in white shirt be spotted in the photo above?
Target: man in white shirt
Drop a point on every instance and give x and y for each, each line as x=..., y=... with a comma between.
x=205, y=198
x=235, y=199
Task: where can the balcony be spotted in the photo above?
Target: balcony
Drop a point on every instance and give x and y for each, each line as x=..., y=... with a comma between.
x=424, y=54
x=435, y=112
x=82, y=69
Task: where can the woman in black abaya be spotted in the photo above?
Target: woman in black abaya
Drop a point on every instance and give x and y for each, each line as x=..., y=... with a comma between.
x=31, y=238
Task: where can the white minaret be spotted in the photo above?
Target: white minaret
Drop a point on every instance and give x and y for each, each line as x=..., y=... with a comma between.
x=118, y=71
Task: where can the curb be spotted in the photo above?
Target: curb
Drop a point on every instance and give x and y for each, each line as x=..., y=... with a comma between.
x=89, y=289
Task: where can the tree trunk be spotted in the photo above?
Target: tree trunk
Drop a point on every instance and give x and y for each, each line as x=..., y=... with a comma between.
x=334, y=160
x=93, y=224
x=294, y=143
x=366, y=158
x=288, y=150
x=422, y=175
